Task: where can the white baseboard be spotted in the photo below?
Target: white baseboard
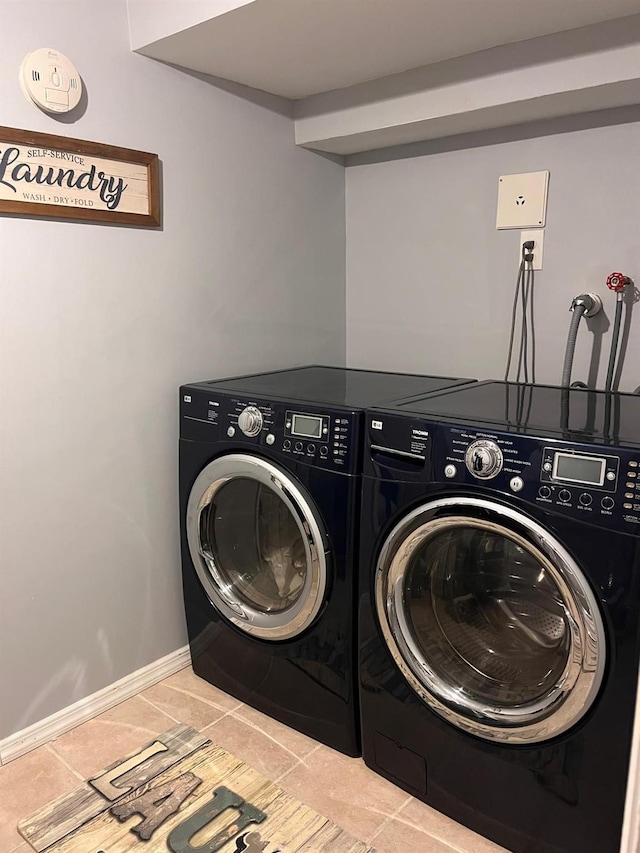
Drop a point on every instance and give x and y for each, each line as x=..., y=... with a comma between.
x=85, y=709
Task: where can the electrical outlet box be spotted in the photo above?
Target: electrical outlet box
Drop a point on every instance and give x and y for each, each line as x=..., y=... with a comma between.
x=522, y=200
x=538, y=239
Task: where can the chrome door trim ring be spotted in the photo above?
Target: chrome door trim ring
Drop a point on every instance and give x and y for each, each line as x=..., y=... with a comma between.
x=574, y=692
x=283, y=624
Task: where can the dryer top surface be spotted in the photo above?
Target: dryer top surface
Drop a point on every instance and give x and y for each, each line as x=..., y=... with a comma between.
x=339, y=386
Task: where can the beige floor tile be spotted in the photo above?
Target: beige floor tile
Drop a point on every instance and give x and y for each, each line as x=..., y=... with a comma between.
x=397, y=837
x=97, y=743
x=252, y=746
x=290, y=739
x=183, y=707
x=442, y=827
x=187, y=680
x=26, y=784
x=345, y=791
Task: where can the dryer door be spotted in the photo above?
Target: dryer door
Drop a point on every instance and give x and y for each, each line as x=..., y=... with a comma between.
x=258, y=546
x=490, y=620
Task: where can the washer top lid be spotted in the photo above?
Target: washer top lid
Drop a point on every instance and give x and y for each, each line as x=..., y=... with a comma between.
x=336, y=385
x=544, y=410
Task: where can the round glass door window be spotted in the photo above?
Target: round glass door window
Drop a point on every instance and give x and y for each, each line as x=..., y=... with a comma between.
x=490, y=620
x=257, y=546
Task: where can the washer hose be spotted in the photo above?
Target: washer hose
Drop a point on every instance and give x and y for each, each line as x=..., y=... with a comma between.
x=577, y=314
x=585, y=305
x=614, y=343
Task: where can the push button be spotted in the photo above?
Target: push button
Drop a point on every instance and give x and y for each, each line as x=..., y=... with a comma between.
x=628, y=506
x=607, y=503
x=585, y=499
x=516, y=484
x=323, y=452
x=544, y=492
x=298, y=445
x=311, y=448
x=450, y=471
x=564, y=495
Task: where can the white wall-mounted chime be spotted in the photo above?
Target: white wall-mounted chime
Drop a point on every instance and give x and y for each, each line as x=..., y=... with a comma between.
x=50, y=80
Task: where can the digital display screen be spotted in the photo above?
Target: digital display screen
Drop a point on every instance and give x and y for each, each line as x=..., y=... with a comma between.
x=579, y=469
x=306, y=426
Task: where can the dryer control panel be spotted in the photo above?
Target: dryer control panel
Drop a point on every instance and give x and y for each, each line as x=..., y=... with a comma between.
x=327, y=438
x=602, y=488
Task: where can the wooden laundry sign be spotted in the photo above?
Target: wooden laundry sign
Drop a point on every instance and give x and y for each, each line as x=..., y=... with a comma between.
x=56, y=176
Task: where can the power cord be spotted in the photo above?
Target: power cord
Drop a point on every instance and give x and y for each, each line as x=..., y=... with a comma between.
x=531, y=276
x=524, y=294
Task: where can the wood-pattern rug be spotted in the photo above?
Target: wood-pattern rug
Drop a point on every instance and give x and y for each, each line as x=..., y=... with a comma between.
x=182, y=794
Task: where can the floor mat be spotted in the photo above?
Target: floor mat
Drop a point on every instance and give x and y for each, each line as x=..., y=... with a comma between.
x=182, y=794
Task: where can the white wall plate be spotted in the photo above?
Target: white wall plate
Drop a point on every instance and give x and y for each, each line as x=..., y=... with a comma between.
x=50, y=80
x=522, y=200
x=537, y=235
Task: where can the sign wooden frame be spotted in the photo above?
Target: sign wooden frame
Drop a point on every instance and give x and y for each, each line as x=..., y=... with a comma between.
x=40, y=167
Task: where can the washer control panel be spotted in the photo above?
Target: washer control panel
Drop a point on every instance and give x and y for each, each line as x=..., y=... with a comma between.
x=573, y=479
x=328, y=439
x=563, y=466
x=250, y=421
x=484, y=459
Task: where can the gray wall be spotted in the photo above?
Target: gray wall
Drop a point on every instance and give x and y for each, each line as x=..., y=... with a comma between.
x=98, y=326
x=430, y=281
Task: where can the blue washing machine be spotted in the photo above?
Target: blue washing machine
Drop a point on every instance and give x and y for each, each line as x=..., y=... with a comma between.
x=499, y=608
x=270, y=480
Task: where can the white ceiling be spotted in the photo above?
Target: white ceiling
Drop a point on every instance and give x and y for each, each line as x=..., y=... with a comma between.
x=297, y=48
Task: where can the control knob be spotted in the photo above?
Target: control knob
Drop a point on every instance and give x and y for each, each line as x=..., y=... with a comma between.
x=484, y=459
x=250, y=421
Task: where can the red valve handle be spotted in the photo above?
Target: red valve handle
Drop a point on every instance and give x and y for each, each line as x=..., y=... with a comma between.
x=617, y=281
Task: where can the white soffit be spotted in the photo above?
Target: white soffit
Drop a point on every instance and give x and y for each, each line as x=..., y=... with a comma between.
x=585, y=70
x=297, y=48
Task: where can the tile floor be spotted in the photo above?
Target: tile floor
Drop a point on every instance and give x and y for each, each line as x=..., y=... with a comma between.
x=341, y=788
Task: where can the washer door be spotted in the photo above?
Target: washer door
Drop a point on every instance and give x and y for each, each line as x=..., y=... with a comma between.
x=257, y=546
x=490, y=620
